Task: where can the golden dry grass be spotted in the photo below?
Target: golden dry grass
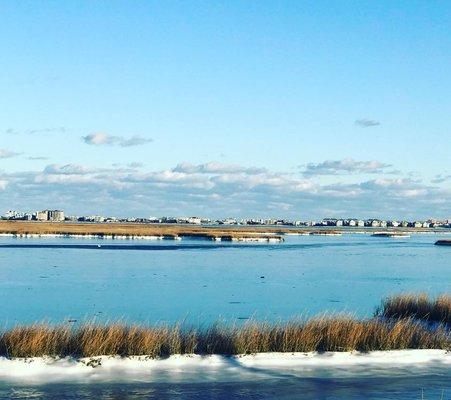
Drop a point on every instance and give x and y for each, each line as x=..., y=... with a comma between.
x=418, y=306
x=138, y=229
x=142, y=229
x=333, y=333
x=133, y=229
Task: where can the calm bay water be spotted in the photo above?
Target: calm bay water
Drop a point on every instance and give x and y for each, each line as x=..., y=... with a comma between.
x=203, y=281
x=200, y=282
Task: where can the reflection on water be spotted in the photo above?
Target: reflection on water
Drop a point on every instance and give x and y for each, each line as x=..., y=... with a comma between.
x=299, y=388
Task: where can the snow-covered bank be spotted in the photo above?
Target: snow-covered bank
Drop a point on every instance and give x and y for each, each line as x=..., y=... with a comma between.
x=217, y=368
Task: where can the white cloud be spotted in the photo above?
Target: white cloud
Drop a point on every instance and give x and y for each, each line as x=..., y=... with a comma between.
x=366, y=123
x=68, y=169
x=217, y=190
x=101, y=138
x=37, y=158
x=98, y=138
x=216, y=168
x=4, y=153
x=43, y=131
x=135, y=140
x=346, y=166
x=441, y=178
x=135, y=165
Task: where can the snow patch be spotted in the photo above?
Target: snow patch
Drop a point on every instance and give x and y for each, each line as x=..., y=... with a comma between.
x=195, y=368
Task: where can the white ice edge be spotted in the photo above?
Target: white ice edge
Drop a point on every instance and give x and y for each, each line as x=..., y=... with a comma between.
x=116, y=237
x=195, y=368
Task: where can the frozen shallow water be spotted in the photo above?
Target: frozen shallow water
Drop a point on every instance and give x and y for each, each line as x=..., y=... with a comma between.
x=216, y=368
x=402, y=374
x=203, y=281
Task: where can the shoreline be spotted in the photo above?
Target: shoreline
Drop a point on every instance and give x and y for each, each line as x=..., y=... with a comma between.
x=409, y=334
x=399, y=325
x=138, y=231
x=223, y=238
x=217, y=368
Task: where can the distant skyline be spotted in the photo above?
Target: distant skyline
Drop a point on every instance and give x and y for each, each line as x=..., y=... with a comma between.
x=271, y=109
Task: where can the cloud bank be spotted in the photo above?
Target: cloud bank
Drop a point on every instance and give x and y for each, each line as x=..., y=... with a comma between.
x=220, y=190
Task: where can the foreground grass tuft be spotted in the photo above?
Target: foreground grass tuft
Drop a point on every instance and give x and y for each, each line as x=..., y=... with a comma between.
x=418, y=306
x=329, y=333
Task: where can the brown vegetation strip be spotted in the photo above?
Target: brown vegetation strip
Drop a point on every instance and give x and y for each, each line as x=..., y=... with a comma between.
x=143, y=229
x=339, y=333
x=418, y=306
x=133, y=229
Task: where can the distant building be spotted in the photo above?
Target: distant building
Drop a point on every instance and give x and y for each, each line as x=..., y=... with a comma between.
x=169, y=220
x=55, y=215
x=14, y=215
x=228, y=221
x=329, y=222
x=50, y=215
x=10, y=214
x=42, y=215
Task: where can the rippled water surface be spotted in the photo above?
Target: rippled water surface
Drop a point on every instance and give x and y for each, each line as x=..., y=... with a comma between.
x=407, y=388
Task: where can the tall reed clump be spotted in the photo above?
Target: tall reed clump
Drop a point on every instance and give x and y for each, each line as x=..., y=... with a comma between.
x=418, y=306
x=328, y=333
x=36, y=340
x=338, y=333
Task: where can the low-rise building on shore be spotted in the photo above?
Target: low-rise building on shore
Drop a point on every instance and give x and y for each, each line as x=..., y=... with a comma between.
x=59, y=216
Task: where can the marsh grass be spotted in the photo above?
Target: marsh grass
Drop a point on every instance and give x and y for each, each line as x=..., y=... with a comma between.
x=327, y=333
x=418, y=306
x=135, y=229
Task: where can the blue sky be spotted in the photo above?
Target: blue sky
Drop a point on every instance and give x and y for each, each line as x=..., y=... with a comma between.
x=291, y=109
